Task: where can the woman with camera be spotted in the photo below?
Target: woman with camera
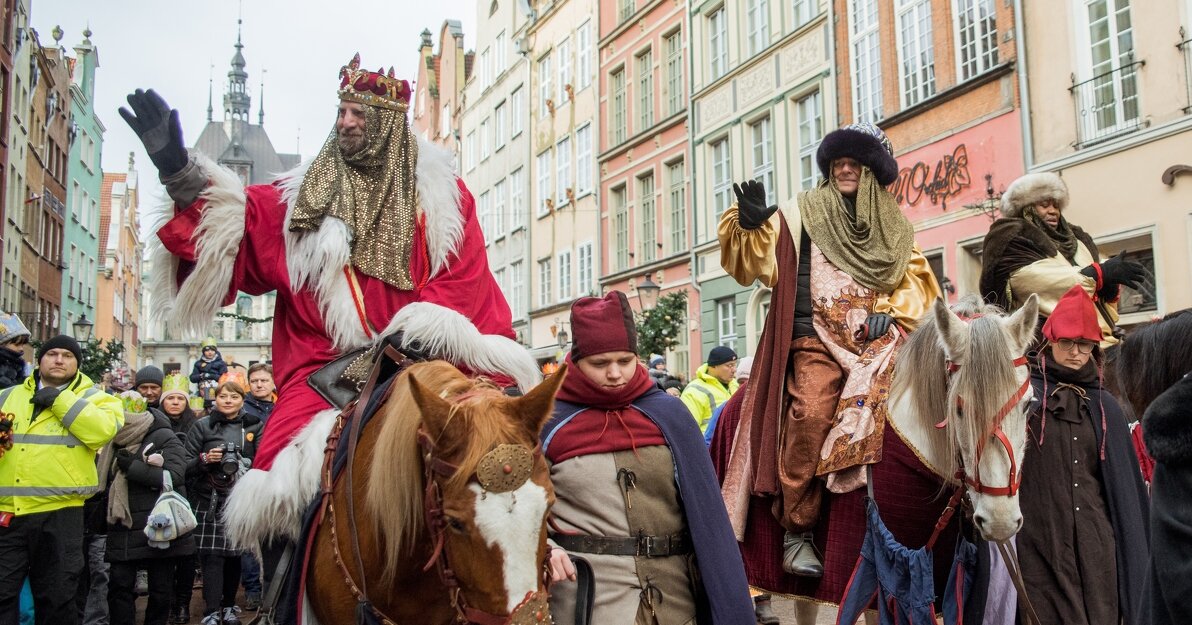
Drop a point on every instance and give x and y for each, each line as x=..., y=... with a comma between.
x=133, y=468
x=219, y=448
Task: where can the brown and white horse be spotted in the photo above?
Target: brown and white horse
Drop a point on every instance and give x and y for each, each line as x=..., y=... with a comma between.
x=450, y=499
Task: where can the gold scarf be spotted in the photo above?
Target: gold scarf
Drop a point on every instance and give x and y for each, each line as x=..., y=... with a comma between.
x=873, y=244
x=372, y=191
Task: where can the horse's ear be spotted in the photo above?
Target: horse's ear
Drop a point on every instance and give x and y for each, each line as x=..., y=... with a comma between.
x=1021, y=324
x=435, y=409
x=535, y=407
x=954, y=334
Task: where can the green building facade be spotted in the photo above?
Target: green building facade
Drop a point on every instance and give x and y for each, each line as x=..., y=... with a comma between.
x=80, y=246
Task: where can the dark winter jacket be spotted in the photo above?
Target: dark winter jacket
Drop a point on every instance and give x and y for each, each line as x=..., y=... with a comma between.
x=1167, y=429
x=204, y=370
x=144, y=487
x=259, y=408
x=12, y=368
x=208, y=433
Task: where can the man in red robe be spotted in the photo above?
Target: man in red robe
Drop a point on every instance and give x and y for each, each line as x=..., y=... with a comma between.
x=375, y=236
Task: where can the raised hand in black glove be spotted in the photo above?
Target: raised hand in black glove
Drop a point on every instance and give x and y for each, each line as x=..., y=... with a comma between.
x=878, y=324
x=44, y=397
x=157, y=125
x=124, y=459
x=1116, y=272
x=752, y=211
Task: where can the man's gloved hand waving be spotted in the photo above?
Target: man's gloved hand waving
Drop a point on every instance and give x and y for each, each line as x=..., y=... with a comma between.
x=157, y=125
x=752, y=211
x=45, y=396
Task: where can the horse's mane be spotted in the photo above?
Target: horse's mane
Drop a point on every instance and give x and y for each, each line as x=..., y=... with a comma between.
x=980, y=381
x=395, y=486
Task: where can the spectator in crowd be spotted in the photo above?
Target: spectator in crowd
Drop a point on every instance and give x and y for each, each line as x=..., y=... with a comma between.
x=176, y=407
x=219, y=449
x=1084, y=505
x=714, y=383
x=742, y=376
x=208, y=369
x=134, y=468
x=14, y=337
x=148, y=384
x=258, y=403
x=658, y=370
x=44, y=478
x=635, y=492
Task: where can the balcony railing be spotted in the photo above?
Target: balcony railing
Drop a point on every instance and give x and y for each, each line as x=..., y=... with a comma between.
x=1107, y=105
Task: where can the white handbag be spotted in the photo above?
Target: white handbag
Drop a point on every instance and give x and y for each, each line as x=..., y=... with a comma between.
x=171, y=516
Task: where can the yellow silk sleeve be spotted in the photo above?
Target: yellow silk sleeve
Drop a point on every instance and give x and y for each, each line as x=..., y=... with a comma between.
x=911, y=298
x=748, y=255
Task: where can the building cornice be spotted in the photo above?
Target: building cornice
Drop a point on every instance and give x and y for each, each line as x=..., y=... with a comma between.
x=633, y=20
x=643, y=136
x=667, y=262
x=762, y=56
x=947, y=95
x=1109, y=148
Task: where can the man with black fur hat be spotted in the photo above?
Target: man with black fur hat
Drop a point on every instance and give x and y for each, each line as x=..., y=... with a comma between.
x=1033, y=249
x=848, y=282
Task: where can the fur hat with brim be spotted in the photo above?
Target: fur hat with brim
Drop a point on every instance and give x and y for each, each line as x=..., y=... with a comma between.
x=1032, y=189
x=863, y=142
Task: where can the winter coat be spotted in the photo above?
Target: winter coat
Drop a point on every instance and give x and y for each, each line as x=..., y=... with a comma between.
x=12, y=368
x=704, y=394
x=1167, y=428
x=208, y=433
x=212, y=370
x=259, y=408
x=144, y=487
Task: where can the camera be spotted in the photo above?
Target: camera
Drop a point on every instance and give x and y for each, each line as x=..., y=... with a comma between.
x=229, y=465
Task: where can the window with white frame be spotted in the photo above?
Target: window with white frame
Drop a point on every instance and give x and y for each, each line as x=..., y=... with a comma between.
x=865, y=60
x=584, y=275
x=500, y=55
x=545, y=82
x=916, y=53
x=645, y=90
x=722, y=181
x=563, y=58
x=717, y=27
x=584, y=166
x=761, y=134
x=499, y=278
x=485, y=216
x=499, y=209
x=804, y=10
x=1143, y=303
x=647, y=218
x=517, y=111
x=674, y=73
x=545, y=290
x=624, y=10
x=445, y=122
x=1112, y=93
x=565, y=275
x=563, y=164
x=517, y=289
x=976, y=36
x=485, y=138
x=677, y=199
x=544, y=186
x=617, y=130
x=500, y=117
x=810, y=112
x=471, y=152
x=517, y=198
x=757, y=17
x=726, y=322
x=486, y=69
x=583, y=55
x=620, y=228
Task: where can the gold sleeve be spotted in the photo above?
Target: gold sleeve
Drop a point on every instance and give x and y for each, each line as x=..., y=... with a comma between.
x=749, y=255
x=911, y=298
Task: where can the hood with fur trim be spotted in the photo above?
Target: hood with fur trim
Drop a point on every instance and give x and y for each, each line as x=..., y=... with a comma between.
x=1031, y=189
x=1167, y=424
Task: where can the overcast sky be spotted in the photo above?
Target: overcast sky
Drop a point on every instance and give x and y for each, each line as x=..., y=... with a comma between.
x=171, y=46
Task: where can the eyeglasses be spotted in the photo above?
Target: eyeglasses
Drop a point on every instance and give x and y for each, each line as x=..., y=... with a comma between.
x=1085, y=347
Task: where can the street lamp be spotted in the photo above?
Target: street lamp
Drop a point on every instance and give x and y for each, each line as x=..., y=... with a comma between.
x=563, y=337
x=82, y=328
x=647, y=293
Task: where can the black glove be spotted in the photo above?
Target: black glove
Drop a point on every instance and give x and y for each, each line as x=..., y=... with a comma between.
x=124, y=459
x=157, y=125
x=414, y=350
x=752, y=211
x=1116, y=272
x=878, y=324
x=44, y=398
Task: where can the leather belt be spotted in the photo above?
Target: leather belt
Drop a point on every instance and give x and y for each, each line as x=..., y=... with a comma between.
x=641, y=546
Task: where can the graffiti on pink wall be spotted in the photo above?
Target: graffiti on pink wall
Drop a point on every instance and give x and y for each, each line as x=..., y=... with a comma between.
x=937, y=182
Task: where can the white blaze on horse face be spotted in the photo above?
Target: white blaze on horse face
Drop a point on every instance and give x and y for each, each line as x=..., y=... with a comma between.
x=513, y=522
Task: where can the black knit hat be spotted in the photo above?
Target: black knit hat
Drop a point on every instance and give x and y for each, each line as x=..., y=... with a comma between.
x=61, y=341
x=720, y=355
x=149, y=375
x=865, y=143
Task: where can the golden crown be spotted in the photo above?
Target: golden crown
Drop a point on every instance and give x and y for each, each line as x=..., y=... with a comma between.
x=373, y=88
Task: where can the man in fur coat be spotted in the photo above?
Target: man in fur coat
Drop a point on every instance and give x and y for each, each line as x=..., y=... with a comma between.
x=375, y=236
x=1033, y=249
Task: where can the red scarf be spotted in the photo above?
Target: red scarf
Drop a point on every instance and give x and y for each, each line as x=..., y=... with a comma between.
x=580, y=389
x=610, y=423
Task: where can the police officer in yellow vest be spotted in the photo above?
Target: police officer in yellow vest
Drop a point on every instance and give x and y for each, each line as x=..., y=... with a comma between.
x=58, y=421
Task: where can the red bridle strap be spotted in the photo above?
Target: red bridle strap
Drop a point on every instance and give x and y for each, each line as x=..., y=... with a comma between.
x=1015, y=478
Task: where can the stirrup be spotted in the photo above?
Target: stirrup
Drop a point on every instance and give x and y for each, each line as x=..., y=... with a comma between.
x=265, y=613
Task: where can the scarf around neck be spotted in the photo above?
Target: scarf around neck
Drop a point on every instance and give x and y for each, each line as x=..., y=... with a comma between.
x=872, y=244
x=579, y=389
x=136, y=426
x=373, y=191
x=1061, y=235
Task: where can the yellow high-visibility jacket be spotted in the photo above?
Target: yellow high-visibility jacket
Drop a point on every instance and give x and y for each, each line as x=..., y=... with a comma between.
x=704, y=394
x=52, y=461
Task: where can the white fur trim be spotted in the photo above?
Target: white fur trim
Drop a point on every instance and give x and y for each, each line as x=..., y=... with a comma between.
x=1031, y=189
x=267, y=504
x=191, y=307
x=316, y=259
x=451, y=336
